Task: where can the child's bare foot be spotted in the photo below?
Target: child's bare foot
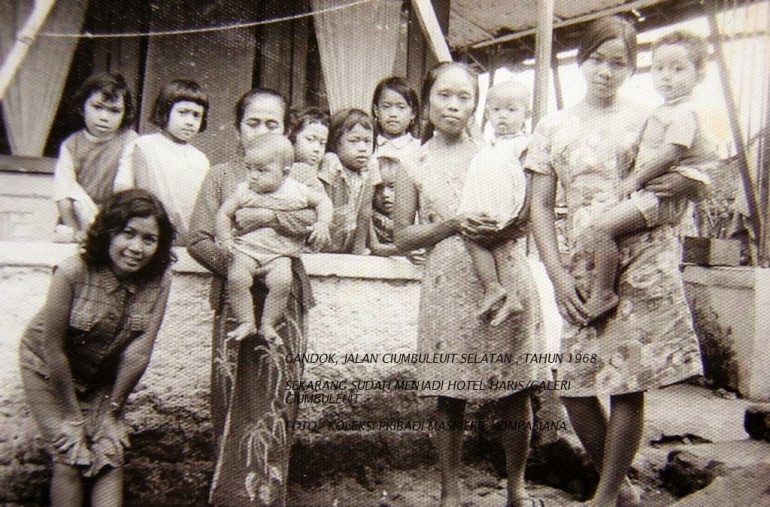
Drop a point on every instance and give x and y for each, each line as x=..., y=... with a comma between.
x=271, y=336
x=511, y=306
x=493, y=299
x=244, y=330
x=600, y=303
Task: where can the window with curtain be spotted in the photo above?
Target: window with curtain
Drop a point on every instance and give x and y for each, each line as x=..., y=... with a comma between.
x=358, y=48
x=32, y=99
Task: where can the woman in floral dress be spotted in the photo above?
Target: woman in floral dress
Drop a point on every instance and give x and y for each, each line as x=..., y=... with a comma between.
x=448, y=323
x=648, y=340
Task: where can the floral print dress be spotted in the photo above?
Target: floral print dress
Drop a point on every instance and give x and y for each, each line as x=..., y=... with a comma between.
x=648, y=340
x=488, y=362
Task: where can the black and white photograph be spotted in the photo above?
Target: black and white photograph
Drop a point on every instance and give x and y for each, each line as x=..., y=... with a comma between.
x=384, y=253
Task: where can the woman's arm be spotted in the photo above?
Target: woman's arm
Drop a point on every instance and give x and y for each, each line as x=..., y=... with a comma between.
x=673, y=184
x=136, y=356
x=57, y=313
x=376, y=247
x=131, y=367
x=543, y=223
x=409, y=236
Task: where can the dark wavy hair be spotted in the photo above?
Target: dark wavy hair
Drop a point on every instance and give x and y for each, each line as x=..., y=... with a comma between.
x=113, y=86
x=343, y=121
x=113, y=217
x=606, y=29
x=179, y=90
x=427, y=86
x=306, y=116
x=251, y=95
x=403, y=88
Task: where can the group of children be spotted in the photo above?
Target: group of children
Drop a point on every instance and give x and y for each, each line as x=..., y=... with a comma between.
x=345, y=167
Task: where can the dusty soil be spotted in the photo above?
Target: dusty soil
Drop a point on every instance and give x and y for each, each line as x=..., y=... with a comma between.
x=420, y=488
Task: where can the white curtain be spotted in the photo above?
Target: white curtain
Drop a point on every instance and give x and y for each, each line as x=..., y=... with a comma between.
x=358, y=48
x=31, y=101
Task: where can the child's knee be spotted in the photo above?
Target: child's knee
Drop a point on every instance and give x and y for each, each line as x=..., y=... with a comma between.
x=240, y=271
x=280, y=274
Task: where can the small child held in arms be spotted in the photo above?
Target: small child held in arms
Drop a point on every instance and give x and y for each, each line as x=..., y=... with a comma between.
x=264, y=252
x=88, y=159
x=380, y=240
x=496, y=185
x=672, y=141
x=308, y=133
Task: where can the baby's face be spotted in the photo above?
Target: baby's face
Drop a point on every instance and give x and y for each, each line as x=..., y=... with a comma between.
x=673, y=73
x=266, y=174
x=506, y=115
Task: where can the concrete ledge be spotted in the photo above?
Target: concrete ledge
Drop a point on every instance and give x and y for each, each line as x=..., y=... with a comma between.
x=38, y=254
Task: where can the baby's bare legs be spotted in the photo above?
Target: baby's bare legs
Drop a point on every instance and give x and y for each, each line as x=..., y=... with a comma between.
x=484, y=264
x=505, y=274
x=240, y=278
x=601, y=239
x=278, y=278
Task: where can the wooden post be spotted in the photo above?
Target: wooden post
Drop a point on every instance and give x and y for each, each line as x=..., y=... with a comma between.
x=755, y=219
x=544, y=43
x=24, y=41
x=430, y=26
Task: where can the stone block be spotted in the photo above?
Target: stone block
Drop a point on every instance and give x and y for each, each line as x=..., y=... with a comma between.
x=730, y=308
x=756, y=422
x=686, y=473
x=711, y=251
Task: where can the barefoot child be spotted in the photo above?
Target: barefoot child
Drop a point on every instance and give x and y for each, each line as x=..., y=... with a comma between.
x=264, y=252
x=496, y=185
x=88, y=159
x=672, y=140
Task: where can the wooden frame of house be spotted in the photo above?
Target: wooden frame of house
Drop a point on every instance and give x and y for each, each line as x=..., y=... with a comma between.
x=280, y=50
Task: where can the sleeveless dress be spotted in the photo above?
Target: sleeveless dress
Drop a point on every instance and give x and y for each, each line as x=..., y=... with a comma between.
x=449, y=298
x=648, y=341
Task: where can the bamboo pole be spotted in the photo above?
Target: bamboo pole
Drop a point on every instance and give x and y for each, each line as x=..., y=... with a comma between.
x=432, y=29
x=543, y=50
x=755, y=219
x=24, y=41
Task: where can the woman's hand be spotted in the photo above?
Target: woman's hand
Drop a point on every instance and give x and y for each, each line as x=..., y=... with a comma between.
x=71, y=441
x=674, y=185
x=251, y=219
x=320, y=237
x=570, y=304
x=477, y=226
x=115, y=430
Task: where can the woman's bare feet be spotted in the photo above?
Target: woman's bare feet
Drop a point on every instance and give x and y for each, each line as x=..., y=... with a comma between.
x=244, y=330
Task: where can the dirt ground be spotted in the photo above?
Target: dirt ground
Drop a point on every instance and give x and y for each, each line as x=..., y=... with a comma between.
x=420, y=488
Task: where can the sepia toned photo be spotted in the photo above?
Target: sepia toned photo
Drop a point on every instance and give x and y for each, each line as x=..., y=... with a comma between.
x=387, y=253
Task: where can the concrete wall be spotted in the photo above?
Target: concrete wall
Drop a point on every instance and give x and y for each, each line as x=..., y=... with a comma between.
x=730, y=307
x=364, y=305
x=27, y=212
